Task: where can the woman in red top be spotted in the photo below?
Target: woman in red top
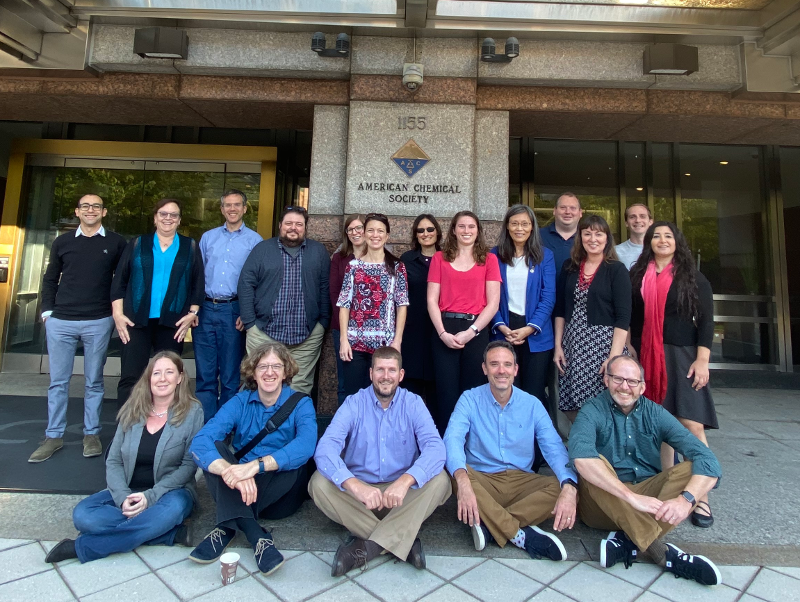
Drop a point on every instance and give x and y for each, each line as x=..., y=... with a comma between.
x=353, y=246
x=463, y=296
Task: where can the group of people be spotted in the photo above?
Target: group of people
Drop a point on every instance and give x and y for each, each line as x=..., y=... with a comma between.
x=478, y=358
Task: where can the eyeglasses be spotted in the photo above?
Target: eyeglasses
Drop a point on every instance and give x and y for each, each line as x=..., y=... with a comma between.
x=92, y=206
x=618, y=380
x=261, y=368
x=355, y=229
x=168, y=215
x=377, y=216
x=428, y=229
x=519, y=224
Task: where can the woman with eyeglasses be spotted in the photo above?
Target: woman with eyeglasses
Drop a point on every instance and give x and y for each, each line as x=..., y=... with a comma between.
x=372, y=304
x=354, y=244
x=527, y=298
x=426, y=238
x=463, y=297
x=156, y=293
x=593, y=312
x=672, y=328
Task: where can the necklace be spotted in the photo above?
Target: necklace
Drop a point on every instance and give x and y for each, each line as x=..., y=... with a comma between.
x=161, y=415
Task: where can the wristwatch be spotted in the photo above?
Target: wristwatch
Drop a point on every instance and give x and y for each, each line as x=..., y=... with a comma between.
x=261, y=467
x=569, y=482
x=474, y=329
x=688, y=497
x=194, y=311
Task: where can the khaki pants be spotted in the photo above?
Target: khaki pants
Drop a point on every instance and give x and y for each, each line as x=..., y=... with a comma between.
x=602, y=510
x=306, y=354
x=393, y=529
x=512, y=499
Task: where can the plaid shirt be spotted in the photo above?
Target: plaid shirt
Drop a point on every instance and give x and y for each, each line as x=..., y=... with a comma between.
x=288, y=324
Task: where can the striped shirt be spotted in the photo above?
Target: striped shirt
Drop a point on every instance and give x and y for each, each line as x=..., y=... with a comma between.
x=288, y=324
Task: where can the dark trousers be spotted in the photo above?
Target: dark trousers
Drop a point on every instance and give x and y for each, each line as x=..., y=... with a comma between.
x=533, y=366
x=335, y=333
x=456, y=369
x=356, y=372
x=218, y=352
x=136, y=353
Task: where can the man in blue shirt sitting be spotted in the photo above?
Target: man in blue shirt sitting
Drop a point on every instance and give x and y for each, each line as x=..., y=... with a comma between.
x=379, y=469
x=615, y=445
x=264, y=480
x=489, y=442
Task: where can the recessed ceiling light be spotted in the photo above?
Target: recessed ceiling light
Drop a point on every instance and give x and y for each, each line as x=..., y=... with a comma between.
x=687, y=174
x=640, y=189
x=723, y=162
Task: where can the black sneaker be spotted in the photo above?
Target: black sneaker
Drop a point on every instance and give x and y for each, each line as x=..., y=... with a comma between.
x=540, y=544
x=697, y=568
x=268, y=558
x=631, y=551
x=212, y=547
x=612, y=551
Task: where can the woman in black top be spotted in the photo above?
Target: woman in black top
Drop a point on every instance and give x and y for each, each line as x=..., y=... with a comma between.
x=593, y=310
x=149, y=470
x=672, y=328
x=156, y=293
x=426, y=239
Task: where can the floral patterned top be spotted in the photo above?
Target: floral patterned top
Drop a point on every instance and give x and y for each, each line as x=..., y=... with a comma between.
x=372, y=294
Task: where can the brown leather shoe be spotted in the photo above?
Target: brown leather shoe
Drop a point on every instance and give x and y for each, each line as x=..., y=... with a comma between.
x=92, y=446
x=416, y=557
x=354, y=553
x=48, y=447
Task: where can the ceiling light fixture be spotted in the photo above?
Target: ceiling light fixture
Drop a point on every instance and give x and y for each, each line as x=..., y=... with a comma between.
x=670, y=59
x=723, y=162
x=161, y=43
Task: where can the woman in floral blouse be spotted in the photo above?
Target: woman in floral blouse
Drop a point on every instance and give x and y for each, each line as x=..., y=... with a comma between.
x=373, y=304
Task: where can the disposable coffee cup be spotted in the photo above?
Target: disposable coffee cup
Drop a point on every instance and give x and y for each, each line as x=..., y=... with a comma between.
x=228, y=564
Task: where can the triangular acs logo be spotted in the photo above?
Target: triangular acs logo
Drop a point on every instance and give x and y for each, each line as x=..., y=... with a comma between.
x=410, y=158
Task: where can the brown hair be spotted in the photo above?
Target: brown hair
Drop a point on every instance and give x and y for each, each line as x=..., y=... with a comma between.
x=415, y=241
x=649, y=213
x=140, y=402
x=387, y=353
x=248, y=369
x=347, y=246
x=578, y=253
x=163, y=202
x=450, y=247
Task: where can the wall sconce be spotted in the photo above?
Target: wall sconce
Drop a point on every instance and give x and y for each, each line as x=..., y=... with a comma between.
x=488, y=54
x=670, y=59
x=342, y=49
x=161, y=43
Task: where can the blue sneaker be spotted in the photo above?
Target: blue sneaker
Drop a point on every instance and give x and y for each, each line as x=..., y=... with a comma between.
x=540, y=544
x=212, y=547
x=268, y=558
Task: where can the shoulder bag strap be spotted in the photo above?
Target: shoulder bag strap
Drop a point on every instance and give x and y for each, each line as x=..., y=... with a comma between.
x=273, y=424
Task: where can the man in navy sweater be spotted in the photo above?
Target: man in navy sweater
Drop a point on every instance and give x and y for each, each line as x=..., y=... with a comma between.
x=76, y=306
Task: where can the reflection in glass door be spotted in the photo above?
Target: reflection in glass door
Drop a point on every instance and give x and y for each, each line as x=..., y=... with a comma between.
x=130, y=189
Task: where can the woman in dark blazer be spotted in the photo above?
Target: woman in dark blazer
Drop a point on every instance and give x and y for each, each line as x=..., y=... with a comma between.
x=529, y=287
x=149, y=470
x=156, y=293
x=426, y=239
x=672, y=329
x=593, y=312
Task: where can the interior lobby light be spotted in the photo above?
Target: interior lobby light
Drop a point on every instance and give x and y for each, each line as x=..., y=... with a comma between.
x=639, y=188
x=687, y=174
x=723, y=162
x=161, y=43
x=670, y=59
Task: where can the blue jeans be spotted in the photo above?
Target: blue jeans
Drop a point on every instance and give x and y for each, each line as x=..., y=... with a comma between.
x=62, y=341
x=104, y=529
x=218, y=351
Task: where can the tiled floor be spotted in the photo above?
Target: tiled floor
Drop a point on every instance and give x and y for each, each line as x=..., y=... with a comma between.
x=161, y=574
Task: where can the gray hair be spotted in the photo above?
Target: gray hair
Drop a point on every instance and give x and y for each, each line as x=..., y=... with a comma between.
x=629, y=358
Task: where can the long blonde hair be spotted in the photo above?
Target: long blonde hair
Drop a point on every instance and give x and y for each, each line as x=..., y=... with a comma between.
x=140, y=403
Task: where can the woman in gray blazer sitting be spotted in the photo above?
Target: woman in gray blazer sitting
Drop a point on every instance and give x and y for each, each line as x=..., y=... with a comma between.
x=149, y=470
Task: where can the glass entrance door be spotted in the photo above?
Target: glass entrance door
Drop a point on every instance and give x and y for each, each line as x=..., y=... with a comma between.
x=130, y=189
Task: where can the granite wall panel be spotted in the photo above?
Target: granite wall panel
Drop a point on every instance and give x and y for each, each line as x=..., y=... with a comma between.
x=329, y=160
x=389, y=88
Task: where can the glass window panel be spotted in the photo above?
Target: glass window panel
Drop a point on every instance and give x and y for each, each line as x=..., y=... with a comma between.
x=250, y=184
x=744, y=343
x=790, y=191
x=663, y=191
x=588, y=169
x=635, y=183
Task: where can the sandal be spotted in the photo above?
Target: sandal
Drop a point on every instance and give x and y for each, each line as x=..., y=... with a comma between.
x=704, y=521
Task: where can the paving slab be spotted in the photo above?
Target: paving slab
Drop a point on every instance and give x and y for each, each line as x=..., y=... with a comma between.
x=775, y=587
x=588, y=584
x=495, y=582
x=398, y=582
x=43, y=586
x=146, y=588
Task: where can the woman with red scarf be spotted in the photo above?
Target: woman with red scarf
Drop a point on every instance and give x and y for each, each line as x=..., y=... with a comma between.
x=672, y=327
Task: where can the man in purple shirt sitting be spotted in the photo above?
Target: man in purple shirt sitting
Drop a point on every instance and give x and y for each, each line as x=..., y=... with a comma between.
x=390, y=478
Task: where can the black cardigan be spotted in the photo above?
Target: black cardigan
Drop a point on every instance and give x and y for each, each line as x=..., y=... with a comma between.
x=416, y=348
x=186, y=285
x=679, y=330
x=609, y=302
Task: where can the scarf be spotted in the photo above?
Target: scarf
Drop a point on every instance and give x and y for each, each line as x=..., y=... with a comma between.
x=654, y=293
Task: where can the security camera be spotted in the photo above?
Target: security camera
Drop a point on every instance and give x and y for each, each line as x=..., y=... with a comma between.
x=412, y=75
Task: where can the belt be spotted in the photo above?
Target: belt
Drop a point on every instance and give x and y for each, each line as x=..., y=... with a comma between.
x=450, y=314
x=215, y=301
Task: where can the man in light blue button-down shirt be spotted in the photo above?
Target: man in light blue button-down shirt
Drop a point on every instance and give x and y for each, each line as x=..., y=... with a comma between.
x=379, y=468
x=489, y=442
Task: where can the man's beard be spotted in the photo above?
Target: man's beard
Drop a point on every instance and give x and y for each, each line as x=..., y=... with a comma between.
x=292, y=243
x=383, y=397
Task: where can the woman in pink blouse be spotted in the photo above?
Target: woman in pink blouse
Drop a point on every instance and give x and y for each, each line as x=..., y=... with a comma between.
x=372, y=304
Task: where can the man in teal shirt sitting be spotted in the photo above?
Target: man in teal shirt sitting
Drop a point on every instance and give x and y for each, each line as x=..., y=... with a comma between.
x=615, y=446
